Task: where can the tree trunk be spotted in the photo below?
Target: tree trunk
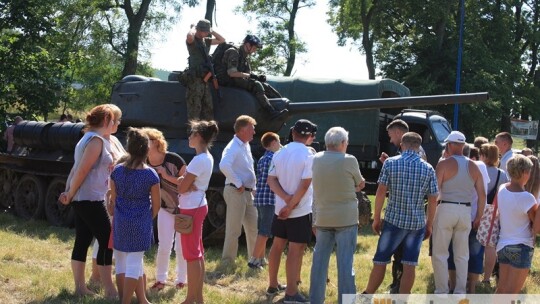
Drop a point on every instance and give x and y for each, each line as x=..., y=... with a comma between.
x=134, y=32
x=367, y=39
x=292, y=43
x=210, y=5
x=132, y=52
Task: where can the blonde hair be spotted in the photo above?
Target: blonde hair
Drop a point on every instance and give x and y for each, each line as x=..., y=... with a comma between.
x=517, y=165
x=157, y=135
x=115, y=110
x=242, y=121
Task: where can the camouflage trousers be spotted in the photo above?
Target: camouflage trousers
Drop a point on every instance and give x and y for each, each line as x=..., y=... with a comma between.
x=199, y=100
x=261, y=90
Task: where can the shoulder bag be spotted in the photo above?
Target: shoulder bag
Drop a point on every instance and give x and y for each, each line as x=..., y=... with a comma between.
x=183, y=223
x=489, y=228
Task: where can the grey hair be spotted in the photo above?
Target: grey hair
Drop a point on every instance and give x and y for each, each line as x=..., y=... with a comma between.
x=335, y=136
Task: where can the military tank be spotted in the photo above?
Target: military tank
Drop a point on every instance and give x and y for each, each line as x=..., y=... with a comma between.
x=33, y=177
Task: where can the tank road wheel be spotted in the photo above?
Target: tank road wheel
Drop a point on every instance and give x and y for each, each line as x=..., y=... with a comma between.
x=57, y=214
x=30, y=197
x=217, y=211
x=8, y=183
x=364, y=209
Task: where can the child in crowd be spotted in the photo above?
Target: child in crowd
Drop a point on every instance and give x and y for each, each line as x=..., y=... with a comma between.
x=135, y=201
x=264, y=200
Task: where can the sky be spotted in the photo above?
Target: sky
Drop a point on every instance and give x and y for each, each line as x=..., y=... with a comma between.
x=324, y=59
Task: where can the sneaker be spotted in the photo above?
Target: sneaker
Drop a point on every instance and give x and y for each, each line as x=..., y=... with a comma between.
x=158, y=286
x=255, y=265
x=297, y=298
x=272, y=291
x=263, y=262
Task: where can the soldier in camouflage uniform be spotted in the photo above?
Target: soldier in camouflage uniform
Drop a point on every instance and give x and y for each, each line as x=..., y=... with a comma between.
x=235, y=70
x=198, y=95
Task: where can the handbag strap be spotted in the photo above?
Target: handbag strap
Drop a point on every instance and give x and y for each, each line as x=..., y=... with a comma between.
x=495, y=209
x=177, y=210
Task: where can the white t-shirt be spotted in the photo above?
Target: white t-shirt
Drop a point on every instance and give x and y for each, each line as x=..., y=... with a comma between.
x=290, y=165
x=504, y=161
x=485, y=177
x=515, y=223
x=200, y=166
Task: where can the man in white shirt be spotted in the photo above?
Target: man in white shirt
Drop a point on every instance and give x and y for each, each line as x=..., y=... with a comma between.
x=237, y=166
x=504, y=142
x=289, y=178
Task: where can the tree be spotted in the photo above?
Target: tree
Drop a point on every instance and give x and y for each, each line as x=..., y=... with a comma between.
x=126, y=32
x=416, y=43
x=344, y=16
x=276, y=20
x=32, y=68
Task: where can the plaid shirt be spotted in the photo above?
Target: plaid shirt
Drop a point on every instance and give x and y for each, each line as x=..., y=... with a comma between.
x=264, y=196
x=408, y=179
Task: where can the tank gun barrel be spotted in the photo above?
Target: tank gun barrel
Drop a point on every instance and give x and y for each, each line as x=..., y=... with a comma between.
x=378, y=103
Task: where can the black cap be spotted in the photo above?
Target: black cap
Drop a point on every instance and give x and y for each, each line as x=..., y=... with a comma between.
x=253, y=40
x=305, y=127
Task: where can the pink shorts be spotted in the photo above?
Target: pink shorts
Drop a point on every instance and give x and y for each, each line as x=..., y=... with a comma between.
x=192, y=245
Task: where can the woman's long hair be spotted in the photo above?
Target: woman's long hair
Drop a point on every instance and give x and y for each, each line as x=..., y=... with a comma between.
x=533, y=184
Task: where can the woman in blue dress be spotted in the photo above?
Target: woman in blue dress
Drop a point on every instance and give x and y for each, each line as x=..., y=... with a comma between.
x=135, y=201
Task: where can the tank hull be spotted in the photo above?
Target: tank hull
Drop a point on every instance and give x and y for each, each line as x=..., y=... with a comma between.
x=35, y=175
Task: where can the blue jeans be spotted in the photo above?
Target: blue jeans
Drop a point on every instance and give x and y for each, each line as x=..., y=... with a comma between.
x=393, y=236
x=345, y=240
x=264, y=220
x=517, y=256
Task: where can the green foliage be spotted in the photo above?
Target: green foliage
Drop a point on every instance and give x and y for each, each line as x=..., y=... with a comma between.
x=276, y=21
x=32, y=69
x=67, y=54
x=417, y=43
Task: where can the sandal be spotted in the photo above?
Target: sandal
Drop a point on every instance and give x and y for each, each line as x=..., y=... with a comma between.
x=158, y=286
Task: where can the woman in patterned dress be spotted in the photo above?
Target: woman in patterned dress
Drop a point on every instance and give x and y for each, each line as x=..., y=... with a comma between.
x=135, y=200
x=193, y=202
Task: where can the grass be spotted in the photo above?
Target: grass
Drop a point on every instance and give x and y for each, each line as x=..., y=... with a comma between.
x=35, y=268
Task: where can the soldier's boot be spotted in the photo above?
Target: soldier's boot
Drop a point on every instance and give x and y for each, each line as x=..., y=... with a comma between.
x=274, y=114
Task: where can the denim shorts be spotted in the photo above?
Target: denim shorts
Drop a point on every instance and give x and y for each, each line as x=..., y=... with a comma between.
x=264, y=220
x=476, y=255
x=518, y=256
x=391, y=237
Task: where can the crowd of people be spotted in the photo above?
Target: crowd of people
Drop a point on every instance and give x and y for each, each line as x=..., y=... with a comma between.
x=293, y=194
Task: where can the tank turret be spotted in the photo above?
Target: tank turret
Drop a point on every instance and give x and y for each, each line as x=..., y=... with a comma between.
x=162, y=105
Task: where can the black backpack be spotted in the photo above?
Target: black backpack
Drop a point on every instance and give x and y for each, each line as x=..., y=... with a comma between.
x=218, y=53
